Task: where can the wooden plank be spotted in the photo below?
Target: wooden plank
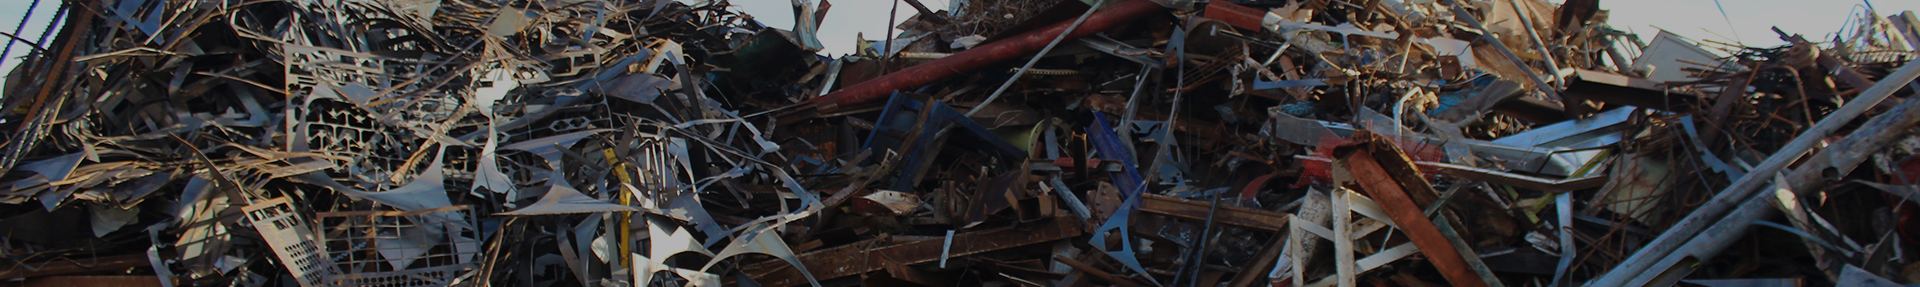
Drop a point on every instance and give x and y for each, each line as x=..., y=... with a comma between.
x=876, y=254
x=1230, y=215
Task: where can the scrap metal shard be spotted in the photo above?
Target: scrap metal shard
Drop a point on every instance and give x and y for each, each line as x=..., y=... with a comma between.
x=649, y=143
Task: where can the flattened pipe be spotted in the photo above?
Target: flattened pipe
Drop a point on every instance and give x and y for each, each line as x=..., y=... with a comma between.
x=982, y=56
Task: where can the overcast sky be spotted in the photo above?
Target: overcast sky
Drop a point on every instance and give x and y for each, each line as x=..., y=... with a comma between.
x=1695, y=19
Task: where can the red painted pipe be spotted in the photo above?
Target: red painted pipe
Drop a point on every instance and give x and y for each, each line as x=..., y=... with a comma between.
x=1236, y=15
x=979, y=57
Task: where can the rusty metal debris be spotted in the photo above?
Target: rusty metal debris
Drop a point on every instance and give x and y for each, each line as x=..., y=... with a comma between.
x=989, y=143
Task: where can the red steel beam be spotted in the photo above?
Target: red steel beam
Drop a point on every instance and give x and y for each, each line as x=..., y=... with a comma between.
x=1382, y=172
x=982, y=56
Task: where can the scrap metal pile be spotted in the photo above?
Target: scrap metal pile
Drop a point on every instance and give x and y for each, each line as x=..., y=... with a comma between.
x=989, y=143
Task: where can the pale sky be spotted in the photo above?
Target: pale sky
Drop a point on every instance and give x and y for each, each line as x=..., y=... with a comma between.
x=1694, y=19
x=843, y=21
x=1752, y=19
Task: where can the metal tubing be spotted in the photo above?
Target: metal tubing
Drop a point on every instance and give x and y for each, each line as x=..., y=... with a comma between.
x=984, y=55
x=1035, y=59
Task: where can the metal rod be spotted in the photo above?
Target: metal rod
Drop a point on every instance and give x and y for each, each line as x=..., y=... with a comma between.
x=1200, y=254
x=1538, y=84
x=1036, y=59
x=16, y=31
x=1545, y=53
x=1729, y=198
x=886, y=56
x=1133, y=105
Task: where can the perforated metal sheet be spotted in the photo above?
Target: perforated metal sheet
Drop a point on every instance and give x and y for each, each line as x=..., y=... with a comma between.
x=297, y=247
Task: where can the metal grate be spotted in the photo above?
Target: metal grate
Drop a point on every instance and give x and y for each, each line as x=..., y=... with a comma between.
x=429, y=247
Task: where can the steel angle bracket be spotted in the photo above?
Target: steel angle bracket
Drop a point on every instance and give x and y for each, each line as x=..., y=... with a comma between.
x=1110, y=147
